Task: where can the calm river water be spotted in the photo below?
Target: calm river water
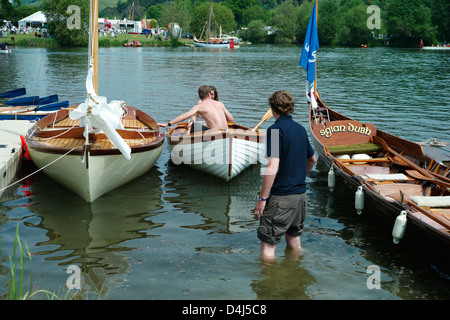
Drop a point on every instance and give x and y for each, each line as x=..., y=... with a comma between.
x=180, y=234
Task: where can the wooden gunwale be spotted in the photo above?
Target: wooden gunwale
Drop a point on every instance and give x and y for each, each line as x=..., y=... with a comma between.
x=398, y=154
x=141, y=134
x=235, y=131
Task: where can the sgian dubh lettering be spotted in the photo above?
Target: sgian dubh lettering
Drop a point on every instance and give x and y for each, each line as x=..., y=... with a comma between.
x=328, y=132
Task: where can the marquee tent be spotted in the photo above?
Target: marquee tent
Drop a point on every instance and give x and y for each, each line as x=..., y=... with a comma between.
x=37, y=19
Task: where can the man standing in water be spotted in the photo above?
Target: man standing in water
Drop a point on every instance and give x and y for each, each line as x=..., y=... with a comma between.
x=213, y=112
x=291, y=158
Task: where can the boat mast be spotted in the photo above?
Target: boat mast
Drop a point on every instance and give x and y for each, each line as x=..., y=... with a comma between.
x=209, y=23
x=93, y=43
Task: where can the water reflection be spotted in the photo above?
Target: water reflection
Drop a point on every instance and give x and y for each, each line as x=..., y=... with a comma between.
x=94, y=235
x=284, y=279
x=225, y=206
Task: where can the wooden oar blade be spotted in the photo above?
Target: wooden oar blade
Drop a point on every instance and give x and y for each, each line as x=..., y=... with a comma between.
x=14, y=93
x=26, y=101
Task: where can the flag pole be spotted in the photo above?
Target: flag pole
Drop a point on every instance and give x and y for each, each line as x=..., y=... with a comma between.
x=315, y=77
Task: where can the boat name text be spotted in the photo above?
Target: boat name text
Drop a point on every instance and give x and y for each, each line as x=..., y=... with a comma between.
x=328, y=132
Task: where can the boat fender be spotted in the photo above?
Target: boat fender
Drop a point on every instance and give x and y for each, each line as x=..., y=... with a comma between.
x=359, y=200
x=25, y=153
x=399, y=227
x=331, y=179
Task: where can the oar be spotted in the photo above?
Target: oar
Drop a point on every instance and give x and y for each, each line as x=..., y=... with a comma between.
x=266, y=116
x=49, y=107
x=47, y=100
x=424, y=172
x=14, y=93
x=26, y=101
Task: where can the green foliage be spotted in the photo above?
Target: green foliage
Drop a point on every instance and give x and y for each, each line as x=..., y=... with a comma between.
x=255, y=32
x=339, y=21
x=178, y=11
x=285, y=22
x=57, y=15
x=223, y=16
x=354, y=29
x=408, y=21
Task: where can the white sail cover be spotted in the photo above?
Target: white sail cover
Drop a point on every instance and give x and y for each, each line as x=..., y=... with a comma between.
x=96, y=115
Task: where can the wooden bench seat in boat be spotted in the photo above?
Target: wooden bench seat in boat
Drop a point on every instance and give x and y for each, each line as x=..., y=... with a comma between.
x=432, y=202
x=395, y=188
x=366, y=169
x=367, y=147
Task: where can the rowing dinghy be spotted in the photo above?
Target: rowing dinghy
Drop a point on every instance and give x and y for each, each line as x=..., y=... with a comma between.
x=222, y=153
x=389, y=175
x=98, y=145
x=91, y=167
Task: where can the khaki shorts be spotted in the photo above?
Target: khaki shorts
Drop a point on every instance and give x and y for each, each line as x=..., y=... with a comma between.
x=283, y=215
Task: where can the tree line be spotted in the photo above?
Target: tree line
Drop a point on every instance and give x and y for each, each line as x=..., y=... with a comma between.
x=340, y=22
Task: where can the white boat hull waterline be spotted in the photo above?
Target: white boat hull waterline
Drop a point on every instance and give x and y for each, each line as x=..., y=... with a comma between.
x=221, y=153
x=96, y=175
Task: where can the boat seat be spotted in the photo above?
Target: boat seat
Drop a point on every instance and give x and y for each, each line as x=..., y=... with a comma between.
x=395, y=188
x=367, y=147
x=388, y=177
x=366, y=169
x=432, y=202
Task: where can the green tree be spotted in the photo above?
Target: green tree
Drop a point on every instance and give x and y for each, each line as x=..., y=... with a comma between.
x=255, y=32
x=178, y=11
x=223, y=16
x=239, y=9
x=327, y=22
x=285, y=22
x=155, y=11
x=408, y=21
x=353, y=30
x=7, y=9
x=57, y=15
x=254, y=12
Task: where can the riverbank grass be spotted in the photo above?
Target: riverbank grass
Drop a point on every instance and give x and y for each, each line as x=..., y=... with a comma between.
x=29, y=40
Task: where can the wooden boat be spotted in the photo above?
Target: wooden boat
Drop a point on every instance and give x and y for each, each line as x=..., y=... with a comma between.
x=133, y=43
x=389, y=175
x=393, y=175
x=94, y=167
x=213, y=42
x=222, y=153
x=96, y=146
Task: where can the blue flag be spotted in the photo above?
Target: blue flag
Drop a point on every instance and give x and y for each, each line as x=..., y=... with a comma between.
x=308, y=58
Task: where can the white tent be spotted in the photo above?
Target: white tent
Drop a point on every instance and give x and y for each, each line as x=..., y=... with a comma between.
x=37, y=19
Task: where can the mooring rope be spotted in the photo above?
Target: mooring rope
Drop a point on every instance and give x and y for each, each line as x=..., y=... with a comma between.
x=38, y=169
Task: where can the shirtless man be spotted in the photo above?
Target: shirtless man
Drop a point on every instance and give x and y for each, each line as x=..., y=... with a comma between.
x=213, y=112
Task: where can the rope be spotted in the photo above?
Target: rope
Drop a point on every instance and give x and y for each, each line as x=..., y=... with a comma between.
x=38, y=169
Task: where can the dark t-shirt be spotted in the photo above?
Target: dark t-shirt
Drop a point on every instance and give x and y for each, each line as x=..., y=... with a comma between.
x=293, y=149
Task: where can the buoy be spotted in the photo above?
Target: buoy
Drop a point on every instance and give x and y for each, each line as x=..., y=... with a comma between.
x=359, y=200
x=331, y=179
x=399, y=227
x=25, y=153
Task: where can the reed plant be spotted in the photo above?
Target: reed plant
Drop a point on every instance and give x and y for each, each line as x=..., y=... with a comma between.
x=17, y=284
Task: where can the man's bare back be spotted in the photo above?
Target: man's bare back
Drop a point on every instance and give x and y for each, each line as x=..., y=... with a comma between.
x=212, y=111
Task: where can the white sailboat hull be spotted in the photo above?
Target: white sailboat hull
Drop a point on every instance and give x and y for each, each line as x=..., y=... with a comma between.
x=97, y=174
x=202, y=44
x=223, y=158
